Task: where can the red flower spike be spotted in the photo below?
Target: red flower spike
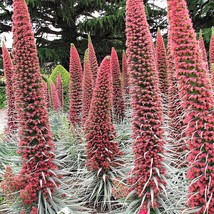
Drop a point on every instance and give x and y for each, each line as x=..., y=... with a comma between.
x=161, y=64
x=59, y=89
x=125, y=74
x=46, y=94
x=211, y=50
x=203, y=49
x=36, y=143
x=87, y=88
x=146, y=104
x=143, y=211
x=92, y=60
x=197, y=100
x=100, y=133
x=8, y=72
x=75, y=87
x=55, y=98
x=118, y=103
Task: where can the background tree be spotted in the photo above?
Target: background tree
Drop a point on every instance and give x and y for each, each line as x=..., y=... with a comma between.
x=69, y=21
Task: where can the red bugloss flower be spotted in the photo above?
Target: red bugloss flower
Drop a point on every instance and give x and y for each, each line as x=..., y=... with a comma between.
x=102, y=149
x=75, y=87
x=146, y=104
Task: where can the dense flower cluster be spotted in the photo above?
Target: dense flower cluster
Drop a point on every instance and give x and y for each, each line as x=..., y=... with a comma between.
x=59, y=89
x=87, y=88
x=118, y=103
x=203, y=50
x=10, y=183
x=46, y=94
x=102, y=150
x=161, y=64
x=92, y=60
x=8, y=71
x=36, y=144
x=211, y=51
x=55, y=98
x=197, y=101
x=125, y=74
x=75, y=87
x=146, y=104
x=175, y=111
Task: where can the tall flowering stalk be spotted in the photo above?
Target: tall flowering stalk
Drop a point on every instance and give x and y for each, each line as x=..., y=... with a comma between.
x=100, y=134
x=146, y=177
x=161, y=63
x=8, y=72
x=118, y=103
x=75, y=87
x=46, y=94
x=197, y=101
x=87, y=87
x=59, y=89
x=55, y=98
x=102, y=150
x=92, y=60
x=125, y=74
x=203, y=49
x=36, y=144
x=211, y=50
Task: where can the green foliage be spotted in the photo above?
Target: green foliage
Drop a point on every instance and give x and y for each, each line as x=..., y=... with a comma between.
x=3, y=99
x=59, y=69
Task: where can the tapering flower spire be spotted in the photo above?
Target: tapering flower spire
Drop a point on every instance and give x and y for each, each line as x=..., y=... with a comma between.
x=87, y=88
x=102, y=149
x=75, y=87
x=125, y=74
x=161, y=63
x=59, y=89
x=8, y=72
x=55, y=98
x=197, y=101
x=92, y=60
x=118, y=103
x=36, y=144
x=202, y=48
x=146, y=103
x=211, y=50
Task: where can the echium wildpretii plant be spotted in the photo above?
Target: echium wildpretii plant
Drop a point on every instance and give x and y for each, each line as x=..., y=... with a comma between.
x=117, y=98
x=161, y=65
x=59, y=89
x=197, y=101
x=203, y=49
x=102, y=150
x=8, y=72
x=75, y=87
x=37, y=179
x=93, y=60
x=125, y=75
x=87, y=87
x=54, y=97
x=147, y=175
x=211, y=49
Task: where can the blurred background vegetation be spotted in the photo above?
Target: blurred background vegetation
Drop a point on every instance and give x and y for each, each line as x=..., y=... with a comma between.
x=57, y=23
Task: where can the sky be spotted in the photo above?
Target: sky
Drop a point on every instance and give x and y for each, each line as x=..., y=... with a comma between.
x=8, y=36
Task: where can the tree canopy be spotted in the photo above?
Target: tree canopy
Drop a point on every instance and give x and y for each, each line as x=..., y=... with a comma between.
x=57, y=23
